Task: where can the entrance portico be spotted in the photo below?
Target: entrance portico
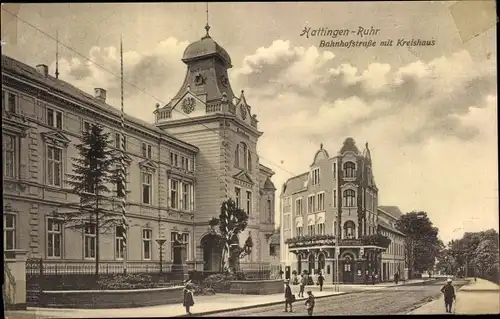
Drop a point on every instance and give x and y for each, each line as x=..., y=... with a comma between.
x=356, y=263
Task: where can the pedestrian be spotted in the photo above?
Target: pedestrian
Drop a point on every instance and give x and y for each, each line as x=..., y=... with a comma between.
x=449, y=295
x=310, y=303
x=321, y=280
x=303, y=283
x=188, y=296
x=289, y=297
x=396, y=278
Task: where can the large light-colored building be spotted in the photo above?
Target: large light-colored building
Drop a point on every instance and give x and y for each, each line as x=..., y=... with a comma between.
x=179, y=169
x=337, y=196
x=393, y=258
x=205, y=112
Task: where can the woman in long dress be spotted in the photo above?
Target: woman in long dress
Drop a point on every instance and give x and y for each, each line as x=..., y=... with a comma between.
x=188, y=297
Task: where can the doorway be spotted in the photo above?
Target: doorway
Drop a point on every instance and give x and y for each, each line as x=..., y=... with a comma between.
x=348, y=274
x=311, y=264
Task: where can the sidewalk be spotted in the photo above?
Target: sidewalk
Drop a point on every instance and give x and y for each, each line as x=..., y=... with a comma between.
x=203, y=304
x=476, y=298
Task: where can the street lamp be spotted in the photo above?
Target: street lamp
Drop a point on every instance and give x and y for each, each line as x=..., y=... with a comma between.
x=160, y=242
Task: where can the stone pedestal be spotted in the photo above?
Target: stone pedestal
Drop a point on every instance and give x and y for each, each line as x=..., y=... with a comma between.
x=14, y=289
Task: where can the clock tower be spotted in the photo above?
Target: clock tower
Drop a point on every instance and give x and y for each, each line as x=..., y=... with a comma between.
x=206, y=113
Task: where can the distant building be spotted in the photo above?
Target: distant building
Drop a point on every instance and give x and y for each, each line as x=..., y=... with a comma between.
x=338, y=196
x=393, y=258
x=274, y=248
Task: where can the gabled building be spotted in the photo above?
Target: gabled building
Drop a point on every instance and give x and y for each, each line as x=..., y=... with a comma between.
x=334, y=202
x=393, y=258
x=207, y=113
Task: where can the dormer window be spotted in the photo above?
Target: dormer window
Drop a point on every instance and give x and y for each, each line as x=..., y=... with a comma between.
x=243, y=158
x=315, y=176
x=54, y=118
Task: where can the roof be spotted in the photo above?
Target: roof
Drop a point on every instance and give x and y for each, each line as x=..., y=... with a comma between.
x=204, y=47
x=394, y=211
x=349, y=146
x=268, y=184
x=60, y=86
x=296, y=183
x=389, y=227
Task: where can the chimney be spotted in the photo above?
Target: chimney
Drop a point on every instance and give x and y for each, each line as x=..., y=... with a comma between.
x=42, y=69
x=100, y=94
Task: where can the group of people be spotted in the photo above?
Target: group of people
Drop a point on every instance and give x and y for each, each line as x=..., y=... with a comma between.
x=290, y=298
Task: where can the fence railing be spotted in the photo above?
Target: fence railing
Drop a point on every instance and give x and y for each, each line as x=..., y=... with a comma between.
x=9, y=287
x=36, y=267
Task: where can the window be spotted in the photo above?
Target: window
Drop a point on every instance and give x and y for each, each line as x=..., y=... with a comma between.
x=54, y=118
x=11, y=101
x=349, y=169
x=54, y=166
x=349, y=229
x=287, y=206
x=118, y=141
x=335, y=198
x=185, y=197
x=54, y=238
x=315, y=176
x=174, y=195
x=349, y=198
x=147, y=188
x=9, y=231
x=146, y=150
x=119, y=243
x=269, y=210
x=147, y=235
x=321, y=228
x=179, y=239
x=249, y=202
x=87, y=127
x=286, y=221
x=298, y=206
x=272, y=250
x=242, y=156
x=9, y=155
x=89, y=240
x=369, y=175
x=237, y=193
x=321, y=201
x=310, y=230
x=310, y=203
x=299, y=231
x=335, y=228
x=334, y=171
x=174, y=159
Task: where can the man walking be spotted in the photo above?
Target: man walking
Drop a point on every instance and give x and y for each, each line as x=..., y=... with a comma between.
x=303, y=283
x=321, y=280
x=449, y=295
x=289, y=297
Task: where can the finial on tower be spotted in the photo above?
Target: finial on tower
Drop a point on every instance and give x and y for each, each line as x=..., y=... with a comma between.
x=57, y=54
x=366, y=144
x=207, y=26
x=321, y=146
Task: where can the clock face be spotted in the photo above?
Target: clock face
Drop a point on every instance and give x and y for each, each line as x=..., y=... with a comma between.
x=224, y=80
x=243, y=111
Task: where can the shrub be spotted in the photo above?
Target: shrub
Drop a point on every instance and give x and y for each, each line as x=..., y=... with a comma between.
x=219, y=282
x=129, y=281
x=239, y=275
x=202, y=291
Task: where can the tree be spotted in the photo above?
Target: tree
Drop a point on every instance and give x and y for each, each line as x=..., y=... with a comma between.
x=93, y=171
x=422, y=245
x=231, y=223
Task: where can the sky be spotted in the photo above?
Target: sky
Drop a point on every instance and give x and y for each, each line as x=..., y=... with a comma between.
x=429, y=113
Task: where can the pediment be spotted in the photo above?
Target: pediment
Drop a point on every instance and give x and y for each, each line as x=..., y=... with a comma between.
x=15, y=124
x=56, y=138
x=349, y=185
x=148, y=165
x=244, y=177
x=188, y=103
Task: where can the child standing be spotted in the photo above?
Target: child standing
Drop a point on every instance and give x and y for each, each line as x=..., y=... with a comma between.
x=188, y=297
x=310, y=303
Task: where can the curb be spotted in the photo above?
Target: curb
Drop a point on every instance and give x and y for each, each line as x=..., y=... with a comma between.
x=274, y=303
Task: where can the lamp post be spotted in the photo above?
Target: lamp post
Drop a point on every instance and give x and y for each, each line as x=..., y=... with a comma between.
x=160, y=242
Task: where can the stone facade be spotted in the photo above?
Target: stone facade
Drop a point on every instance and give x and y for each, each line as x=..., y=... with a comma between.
x=205, y=112
x=393, y=258
x=42, y=121
x=335, y=201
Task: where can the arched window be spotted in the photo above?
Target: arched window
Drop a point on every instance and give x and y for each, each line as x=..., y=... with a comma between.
x=242, y=157
x=311, y=264
x=321, y=262
x=349, y=229
x=349, y=198
x=349, y=169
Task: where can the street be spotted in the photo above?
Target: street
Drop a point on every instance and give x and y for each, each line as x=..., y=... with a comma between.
x=389, y=301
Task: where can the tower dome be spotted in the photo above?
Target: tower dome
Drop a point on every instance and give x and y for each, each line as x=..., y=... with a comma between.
x=204, y=48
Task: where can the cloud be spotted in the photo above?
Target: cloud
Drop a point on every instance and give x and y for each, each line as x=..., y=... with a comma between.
x=431, y=125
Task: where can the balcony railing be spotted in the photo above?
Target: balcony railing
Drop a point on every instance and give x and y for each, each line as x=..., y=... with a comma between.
x=315, y=240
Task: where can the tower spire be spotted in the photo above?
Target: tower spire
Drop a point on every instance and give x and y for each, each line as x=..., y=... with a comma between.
x=57, y=54
x=207, y=26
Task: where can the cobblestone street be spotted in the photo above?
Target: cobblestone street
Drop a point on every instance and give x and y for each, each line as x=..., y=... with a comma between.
x=394, y=300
